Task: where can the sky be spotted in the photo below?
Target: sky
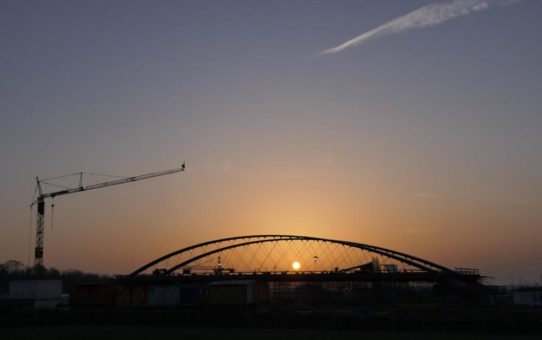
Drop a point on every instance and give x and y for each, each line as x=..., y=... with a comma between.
x=422, y=136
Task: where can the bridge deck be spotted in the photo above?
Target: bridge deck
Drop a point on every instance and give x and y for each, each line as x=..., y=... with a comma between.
x=306, y=277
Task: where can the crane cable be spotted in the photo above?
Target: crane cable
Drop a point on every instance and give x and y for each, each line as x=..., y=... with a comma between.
x=52, y=213
x=30, y=237
x=31, y=220
x=103, y=175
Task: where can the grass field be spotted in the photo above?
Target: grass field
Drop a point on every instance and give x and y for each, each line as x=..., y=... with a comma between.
x=156, y=333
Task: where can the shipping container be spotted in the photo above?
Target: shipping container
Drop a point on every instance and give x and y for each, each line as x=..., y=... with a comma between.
x=35, y=289
x=44, y=294
x=130, y=295
x=192, y=294
x=239, y=292
x=529, y=296
x=93, y=294
x=162, y=295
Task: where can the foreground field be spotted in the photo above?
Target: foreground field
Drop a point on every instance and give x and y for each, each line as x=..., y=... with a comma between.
x=156, y=333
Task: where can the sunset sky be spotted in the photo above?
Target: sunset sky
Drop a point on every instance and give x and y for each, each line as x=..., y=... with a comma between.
x=424, y=136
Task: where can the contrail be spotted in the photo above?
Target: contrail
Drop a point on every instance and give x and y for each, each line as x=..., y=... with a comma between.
x=430, y=15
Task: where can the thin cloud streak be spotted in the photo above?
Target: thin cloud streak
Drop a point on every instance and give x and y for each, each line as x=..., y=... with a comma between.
x=430, y=15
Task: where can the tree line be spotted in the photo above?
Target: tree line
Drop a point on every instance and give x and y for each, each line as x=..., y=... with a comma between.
x=15, y=270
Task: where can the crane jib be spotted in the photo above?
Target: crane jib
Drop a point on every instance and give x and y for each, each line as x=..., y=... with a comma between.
x=38, y=253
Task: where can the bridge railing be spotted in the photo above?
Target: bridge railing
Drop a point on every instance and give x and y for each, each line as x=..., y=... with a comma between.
x=467, y=271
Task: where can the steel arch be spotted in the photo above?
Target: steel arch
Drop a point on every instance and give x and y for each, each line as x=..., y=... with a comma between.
x=414, y=261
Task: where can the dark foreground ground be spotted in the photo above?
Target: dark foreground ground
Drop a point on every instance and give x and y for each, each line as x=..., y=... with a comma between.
x=249, y=323
x=156, y=333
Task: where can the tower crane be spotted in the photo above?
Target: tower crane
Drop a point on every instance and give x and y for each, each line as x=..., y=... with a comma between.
x=40, y=200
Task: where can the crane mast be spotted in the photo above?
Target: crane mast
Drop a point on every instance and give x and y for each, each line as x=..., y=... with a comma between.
x=40, y=201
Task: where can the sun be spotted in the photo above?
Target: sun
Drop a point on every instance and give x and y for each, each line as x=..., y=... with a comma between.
x=296, y=265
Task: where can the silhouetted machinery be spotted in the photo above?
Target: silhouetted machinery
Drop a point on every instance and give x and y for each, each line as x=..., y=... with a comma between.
x=40, y=200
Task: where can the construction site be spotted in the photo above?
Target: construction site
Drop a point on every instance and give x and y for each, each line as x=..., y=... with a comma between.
x=267, y=281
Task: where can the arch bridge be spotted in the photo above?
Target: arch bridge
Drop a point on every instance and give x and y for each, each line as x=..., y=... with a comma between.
x=294, y=256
